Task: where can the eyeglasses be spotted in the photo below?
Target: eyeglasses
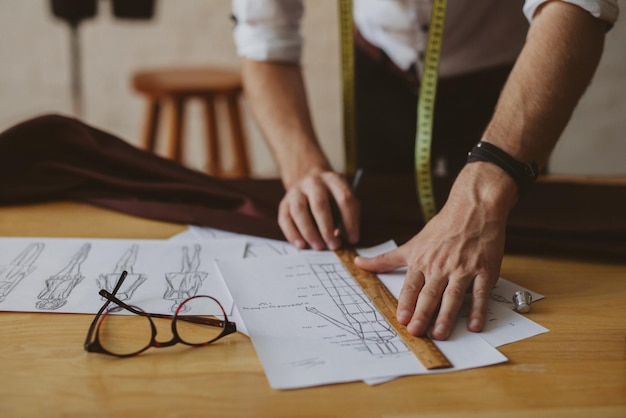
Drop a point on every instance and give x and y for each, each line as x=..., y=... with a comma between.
x=129, y=335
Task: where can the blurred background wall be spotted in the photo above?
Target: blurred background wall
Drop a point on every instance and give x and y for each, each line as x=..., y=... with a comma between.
x=35, y=77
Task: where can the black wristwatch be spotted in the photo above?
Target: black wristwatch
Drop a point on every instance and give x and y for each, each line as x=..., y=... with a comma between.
x=524, y=174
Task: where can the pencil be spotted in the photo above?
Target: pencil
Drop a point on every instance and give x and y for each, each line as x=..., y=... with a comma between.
x=337, y=219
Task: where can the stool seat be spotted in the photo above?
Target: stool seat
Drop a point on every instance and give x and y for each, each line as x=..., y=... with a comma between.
x=192, y=81
x=212, y=86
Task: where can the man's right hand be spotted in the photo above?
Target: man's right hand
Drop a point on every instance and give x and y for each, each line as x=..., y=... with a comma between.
x=277, y=96
x=305, y=212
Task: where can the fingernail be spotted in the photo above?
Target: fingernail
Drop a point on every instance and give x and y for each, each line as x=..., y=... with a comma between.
x=415, y=327
x=404, y=316
x=440, y=332
x=318, y=246
x=334, y=244
x=299, y=244
x=475, y=325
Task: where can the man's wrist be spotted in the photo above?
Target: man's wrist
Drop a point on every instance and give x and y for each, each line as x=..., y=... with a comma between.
x=294, y=173
x=485, y=185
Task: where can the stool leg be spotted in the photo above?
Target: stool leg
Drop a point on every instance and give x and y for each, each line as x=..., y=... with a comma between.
x=240, y=152
x=177, y=131
x=151, y=124
x=214, y=162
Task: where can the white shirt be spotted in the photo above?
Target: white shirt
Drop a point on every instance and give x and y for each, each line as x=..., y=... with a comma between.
x=478, y=33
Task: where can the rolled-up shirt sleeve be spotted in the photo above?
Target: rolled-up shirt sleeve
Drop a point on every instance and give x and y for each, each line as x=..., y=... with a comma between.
x=268, y=30
x=606, y=10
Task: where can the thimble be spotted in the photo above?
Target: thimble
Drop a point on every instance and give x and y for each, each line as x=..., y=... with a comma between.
x=522, y=300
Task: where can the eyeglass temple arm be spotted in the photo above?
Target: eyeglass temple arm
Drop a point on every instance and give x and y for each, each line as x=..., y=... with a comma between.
x=92, y=327
x=187, y=318
x=119, y=282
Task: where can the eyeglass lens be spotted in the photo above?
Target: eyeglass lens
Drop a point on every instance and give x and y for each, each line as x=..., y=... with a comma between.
x=123, y=334
x=195, y=333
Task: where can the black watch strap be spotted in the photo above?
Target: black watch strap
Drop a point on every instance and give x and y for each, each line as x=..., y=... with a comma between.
x=524, y=174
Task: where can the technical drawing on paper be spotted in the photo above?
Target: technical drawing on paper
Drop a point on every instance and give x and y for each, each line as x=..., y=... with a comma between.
x=501, y=299
x=133, y=280
x=362, y=319
x=60, y=285
x=20, y=267
x=185, y=283
x=503, y=286
x=255, y=247
x=264, y=249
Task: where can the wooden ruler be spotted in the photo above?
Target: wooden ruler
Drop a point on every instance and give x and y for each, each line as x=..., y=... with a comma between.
x=423, y=347
x=426, y=110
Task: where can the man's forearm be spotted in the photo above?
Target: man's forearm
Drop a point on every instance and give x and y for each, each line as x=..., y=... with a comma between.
x=277, y=96
x=562, y=51
x=559, y=58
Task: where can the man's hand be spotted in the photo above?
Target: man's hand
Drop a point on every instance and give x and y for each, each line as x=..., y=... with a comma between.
x=460, y=249
x=305, y=212
x=277, y=95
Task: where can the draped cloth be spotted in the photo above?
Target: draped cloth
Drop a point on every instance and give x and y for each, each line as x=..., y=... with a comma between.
x=54, y=157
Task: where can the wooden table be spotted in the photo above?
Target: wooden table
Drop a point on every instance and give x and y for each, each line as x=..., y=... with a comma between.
x=578, y=369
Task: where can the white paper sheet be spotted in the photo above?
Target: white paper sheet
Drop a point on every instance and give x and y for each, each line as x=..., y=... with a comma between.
x=311, y=324
x=65, y=274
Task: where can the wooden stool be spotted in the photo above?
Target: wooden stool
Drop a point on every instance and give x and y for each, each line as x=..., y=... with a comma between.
x=177, y=86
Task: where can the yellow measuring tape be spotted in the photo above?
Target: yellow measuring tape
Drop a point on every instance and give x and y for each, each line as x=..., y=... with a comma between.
x=426, y=110
x=426, y=104
x=347, y=79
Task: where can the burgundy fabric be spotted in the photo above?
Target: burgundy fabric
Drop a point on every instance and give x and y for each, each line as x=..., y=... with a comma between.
x=57, y=158
x=54, y=157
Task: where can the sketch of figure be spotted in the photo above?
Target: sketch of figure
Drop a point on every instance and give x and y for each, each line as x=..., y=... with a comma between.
x=363, y=319
x=59, y=286
x=185, y=283
x=133, y=280
x=20, y=267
